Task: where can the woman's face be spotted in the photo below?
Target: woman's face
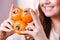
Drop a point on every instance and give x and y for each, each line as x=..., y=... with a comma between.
x=50, y=7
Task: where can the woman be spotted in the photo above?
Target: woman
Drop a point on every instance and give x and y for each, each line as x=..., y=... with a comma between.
x=48, y=23
x=50, y=18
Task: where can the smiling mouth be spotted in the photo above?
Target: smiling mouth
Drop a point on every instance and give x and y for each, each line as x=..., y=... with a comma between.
x=48, y=8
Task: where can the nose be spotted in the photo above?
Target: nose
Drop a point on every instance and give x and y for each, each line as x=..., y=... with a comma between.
x=46, y=1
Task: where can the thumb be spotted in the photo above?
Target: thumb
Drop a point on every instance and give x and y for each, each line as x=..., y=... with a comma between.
x=9, y=17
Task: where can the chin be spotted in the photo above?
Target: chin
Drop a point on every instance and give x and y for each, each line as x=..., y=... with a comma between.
x=50, y=14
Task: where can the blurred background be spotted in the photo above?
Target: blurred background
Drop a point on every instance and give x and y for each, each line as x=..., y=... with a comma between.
x=5, y=6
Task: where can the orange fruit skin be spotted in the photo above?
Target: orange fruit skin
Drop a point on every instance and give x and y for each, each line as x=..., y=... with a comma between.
x=26, y=16
x=16, y=14
x=21, y=18
x=19, y=26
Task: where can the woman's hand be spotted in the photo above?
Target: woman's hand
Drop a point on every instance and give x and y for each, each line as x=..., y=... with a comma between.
x=35, y=28
x=7, y=28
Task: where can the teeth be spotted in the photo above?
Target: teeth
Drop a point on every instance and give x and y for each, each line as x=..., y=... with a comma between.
x=48, y=8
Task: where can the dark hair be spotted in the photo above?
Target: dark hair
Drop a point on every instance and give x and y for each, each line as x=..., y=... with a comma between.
x=46, y=22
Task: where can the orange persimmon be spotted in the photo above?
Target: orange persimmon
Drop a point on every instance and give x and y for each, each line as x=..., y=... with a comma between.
x=26, y=15
x=19, y=26
x=15, y=13
x=21, y=18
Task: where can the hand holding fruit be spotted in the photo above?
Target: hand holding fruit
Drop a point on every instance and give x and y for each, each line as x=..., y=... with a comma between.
x=21, y=18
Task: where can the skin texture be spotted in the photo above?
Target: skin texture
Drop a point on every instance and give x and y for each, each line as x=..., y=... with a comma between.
x=53, y=11
x=37, y=28
x=50, y=8
x=6, y=29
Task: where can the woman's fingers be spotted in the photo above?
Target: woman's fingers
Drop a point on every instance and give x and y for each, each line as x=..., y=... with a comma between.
x=36, y=19
x=9, y=21
x=4, y=29
x=28, y=35
x=7, y=25
x=26, y=32
x=30, y=27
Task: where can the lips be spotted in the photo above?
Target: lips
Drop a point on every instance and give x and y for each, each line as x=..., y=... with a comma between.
x=48, y=8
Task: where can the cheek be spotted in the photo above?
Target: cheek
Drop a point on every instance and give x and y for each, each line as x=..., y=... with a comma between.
x=57, y=5
x=58, y=2
x=55, y=2
x=41, y=2
x=57, y=10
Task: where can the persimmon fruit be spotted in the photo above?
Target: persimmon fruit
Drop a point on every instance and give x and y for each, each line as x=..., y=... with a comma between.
x=16, y=13
x=26, y=15
x=19, y=26
x=21, y=17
